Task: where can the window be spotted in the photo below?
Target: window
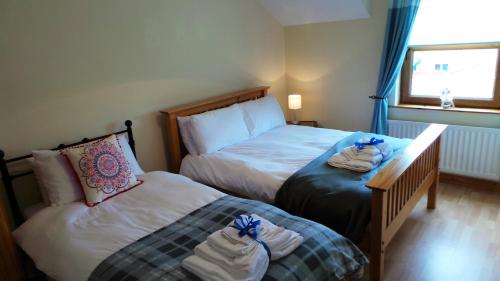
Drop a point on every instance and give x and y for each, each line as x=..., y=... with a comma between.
x=470, y=72
x=448, y=52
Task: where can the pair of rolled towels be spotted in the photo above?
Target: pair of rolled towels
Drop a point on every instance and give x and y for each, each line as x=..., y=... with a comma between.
x=226, y=255
x=362, y=158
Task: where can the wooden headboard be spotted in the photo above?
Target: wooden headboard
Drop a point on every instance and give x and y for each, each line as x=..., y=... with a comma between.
x=175, y=147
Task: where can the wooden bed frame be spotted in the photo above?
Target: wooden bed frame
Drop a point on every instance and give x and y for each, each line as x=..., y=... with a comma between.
x=396, y=189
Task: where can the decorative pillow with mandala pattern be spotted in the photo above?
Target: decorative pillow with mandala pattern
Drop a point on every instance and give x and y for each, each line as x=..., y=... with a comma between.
x=102, y=169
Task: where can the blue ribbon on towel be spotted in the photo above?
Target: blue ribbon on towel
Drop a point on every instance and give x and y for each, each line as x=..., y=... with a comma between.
x=373, y=141
x=249, y=226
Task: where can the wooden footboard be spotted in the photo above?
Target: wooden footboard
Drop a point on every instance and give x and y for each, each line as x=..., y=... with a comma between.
x=397, y=189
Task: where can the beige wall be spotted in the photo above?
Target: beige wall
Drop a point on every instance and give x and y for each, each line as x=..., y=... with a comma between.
x=70, y=69
x=335, y=67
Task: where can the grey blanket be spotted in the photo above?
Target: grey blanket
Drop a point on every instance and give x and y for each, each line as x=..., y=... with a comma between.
x=337, y=198
x=324, y=255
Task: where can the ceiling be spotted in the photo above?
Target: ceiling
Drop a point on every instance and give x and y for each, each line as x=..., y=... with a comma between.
x=297, y=12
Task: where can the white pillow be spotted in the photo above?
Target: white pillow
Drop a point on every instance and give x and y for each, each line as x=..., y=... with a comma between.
x=55, y=174
x=216, y=129
x=262, y=115
x=57, y=179
x=41, y=188
x=129, y=155
x=102, y=169
x=185, y=128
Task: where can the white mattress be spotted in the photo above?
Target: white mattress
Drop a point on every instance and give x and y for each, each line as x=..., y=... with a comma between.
x=68, y=242
x=258, y=167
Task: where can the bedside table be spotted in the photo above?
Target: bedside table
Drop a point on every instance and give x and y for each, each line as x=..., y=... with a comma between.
x=305, y=123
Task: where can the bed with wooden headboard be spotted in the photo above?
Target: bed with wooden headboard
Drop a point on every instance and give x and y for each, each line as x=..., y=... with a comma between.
x=396, y=189
x=176, y=149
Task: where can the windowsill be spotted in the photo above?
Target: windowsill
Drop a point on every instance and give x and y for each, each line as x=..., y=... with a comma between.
x=454, y=109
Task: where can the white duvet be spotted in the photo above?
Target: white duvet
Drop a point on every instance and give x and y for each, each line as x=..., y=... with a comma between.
x=68, y=242
x=258, y=167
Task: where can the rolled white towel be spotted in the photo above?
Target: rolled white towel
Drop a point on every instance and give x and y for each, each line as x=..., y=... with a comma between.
x=212, y=272
x=338, y=160
x=357, y=166
x=373, y=160
x=382, y=148
x=368, y=150
x=280, y=241
x=244, y=267
x=352, y=153
x=362, y=166
x=385, y=149
x=235, y=246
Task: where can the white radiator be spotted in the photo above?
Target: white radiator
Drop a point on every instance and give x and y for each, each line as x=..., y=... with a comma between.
x=468, y=151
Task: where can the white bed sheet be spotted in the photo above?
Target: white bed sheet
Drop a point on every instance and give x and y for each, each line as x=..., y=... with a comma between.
x=258, y=167
x=68, y=242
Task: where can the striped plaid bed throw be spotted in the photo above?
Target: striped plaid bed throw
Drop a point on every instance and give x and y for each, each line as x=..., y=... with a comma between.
x=324, y=255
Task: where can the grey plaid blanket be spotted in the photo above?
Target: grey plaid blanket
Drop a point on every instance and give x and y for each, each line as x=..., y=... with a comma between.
x=324, y=255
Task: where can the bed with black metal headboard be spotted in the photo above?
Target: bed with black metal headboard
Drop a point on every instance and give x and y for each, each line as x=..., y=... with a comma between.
x=8, y=178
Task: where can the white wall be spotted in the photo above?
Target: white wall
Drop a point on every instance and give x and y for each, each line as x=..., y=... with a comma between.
x=71, y=69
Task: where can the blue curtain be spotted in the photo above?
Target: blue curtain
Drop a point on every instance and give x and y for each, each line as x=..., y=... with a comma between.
x=397, y=34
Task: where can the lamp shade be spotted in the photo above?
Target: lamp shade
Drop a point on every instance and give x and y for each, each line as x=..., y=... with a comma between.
x=294, y=101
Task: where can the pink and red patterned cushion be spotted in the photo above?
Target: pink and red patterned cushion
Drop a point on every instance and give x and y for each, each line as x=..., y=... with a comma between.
x=102, y=169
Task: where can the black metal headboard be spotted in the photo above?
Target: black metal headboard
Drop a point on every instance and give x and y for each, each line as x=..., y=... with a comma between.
x=8, y=178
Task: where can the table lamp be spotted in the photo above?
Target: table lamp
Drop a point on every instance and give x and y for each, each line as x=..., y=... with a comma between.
x=294, y=103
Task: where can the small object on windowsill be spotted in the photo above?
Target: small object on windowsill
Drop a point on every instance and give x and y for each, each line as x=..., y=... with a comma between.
x=453, y=109
x=311, y=123
x=446, y=99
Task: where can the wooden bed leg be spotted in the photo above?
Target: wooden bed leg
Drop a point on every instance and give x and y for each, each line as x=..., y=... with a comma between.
x=377, y=263
x=377, y=244
x=432, y=193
